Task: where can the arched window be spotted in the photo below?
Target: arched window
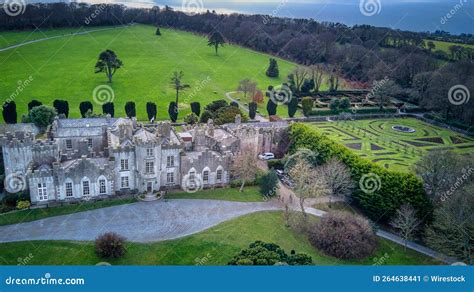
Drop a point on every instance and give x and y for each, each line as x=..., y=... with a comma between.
x=102, y=183
x=219, y=174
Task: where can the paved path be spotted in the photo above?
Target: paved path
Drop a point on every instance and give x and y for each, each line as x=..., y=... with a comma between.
x=138, y=222
x=258, y=117
x=54, y=37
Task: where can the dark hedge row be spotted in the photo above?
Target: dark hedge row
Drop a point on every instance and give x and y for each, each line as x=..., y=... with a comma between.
x=396, y=188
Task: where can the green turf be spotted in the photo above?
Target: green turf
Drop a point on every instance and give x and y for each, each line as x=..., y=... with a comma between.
x=63, y=68
x=444, y=46
x=378, y=142
x=248, y=194
x=215, y=246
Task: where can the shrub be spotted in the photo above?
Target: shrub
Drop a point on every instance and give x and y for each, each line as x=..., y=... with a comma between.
x=264, y=254
x=110, y=245
x=334, y=104
x=21, y=205
x=33, y=103
x=84, y=107
x=252, y=110
x=343, y=235
x=206, y=115
x=272, y=70
x=292, y=107
x=173, y=111
x=269, y=184
x=345, y=103
x=394, y=190
x=191, y=119
x=42, y=116
x=227, y=115
x=9, y=112
x=307, y=105
x=151, y=110
x=271, y=107
x=216, y=105
x=62, y=107
x=108, y=108
x=130, y=110
x=275, y=163
x=196, y=108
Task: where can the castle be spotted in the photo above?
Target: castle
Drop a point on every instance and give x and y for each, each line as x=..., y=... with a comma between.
x=96, y=158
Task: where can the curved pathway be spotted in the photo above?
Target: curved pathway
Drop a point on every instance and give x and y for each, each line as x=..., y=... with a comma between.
x=55, y=37
x=138, y=222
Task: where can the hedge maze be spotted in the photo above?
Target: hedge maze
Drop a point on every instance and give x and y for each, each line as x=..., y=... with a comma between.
x=377, y=141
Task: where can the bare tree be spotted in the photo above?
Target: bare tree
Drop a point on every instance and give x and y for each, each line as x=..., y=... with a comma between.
x=317, y=72
x=307, y=183
x=245, y=166
x=299, y=75
x=338, y=179
x=406, y=222
x=247, y=86
x=333, y=80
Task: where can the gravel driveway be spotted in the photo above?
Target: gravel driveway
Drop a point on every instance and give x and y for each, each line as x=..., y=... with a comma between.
x=139, y=222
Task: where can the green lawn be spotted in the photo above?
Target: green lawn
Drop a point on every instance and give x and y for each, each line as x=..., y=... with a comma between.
x=40, y=213
x=444, y=46
x=63, y=68
x=248, y=194
x=215, y=246
x=378, y=142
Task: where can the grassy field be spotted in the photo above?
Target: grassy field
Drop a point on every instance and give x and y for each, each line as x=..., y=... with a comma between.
x=248, y=194
x=378, y=142
x=215, y=246
x=444, y=46
x=63, y=68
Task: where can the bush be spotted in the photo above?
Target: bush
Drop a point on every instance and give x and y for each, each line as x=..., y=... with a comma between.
x=292, y=107
x=110, y=245
x=272, y=70
x=271, y=107
x=173, y=111
x=130, y=110
x=216, y=105
x=265, y=254
x=22, y=205
x=227, y=115
x=196, y=108
x=252, y=110
x=269, y=184
x=108, y=108
x=206, y=115
x=307, y=105
x=191, y=119
x=84, y=107
x=42, y=116
x=334, y=104
x=343, y=235
x=395, y=188
x=275, y=163
x=151, y=110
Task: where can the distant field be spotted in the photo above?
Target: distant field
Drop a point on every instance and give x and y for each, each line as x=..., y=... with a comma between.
x=378, y=142
x=444, y=46
x=63, y=68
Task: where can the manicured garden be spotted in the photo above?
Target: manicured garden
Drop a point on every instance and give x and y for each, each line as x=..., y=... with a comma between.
x=215, y=246
x=63, y=68
x=377, y=141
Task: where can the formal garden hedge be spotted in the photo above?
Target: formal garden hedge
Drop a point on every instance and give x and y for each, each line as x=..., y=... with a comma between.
x=394, y=188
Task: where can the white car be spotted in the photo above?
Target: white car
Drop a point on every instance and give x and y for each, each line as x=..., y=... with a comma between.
x=266, y=156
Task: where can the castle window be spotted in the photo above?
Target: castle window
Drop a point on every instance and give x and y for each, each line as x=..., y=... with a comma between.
x=149, y=167
x=170, y=161
x=89, y=142
x=102, y=187
x=149, y=152
x=124, y=182
x=123, y=164
x=205, y=177
x=86, y=188
x=219, y=175
x=69, y=189
x=68, y=144
x=170, y=178
x=42, y=193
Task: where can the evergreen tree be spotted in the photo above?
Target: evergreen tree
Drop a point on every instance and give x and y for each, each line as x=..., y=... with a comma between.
x=292, y=107
x=158, y=32
x=33, y=104
x=271, y=107
x=108, y=108
x=9, y=112
x=196, y=108
x=62, y=107
x=173, y=111
x=130, y=110
x=216, y=40
x=151, y=110
x=272, y=70
x=84, y=107
x=252, y=110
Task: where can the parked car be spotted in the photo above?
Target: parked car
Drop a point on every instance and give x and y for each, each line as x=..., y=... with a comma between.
x=266, y=156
